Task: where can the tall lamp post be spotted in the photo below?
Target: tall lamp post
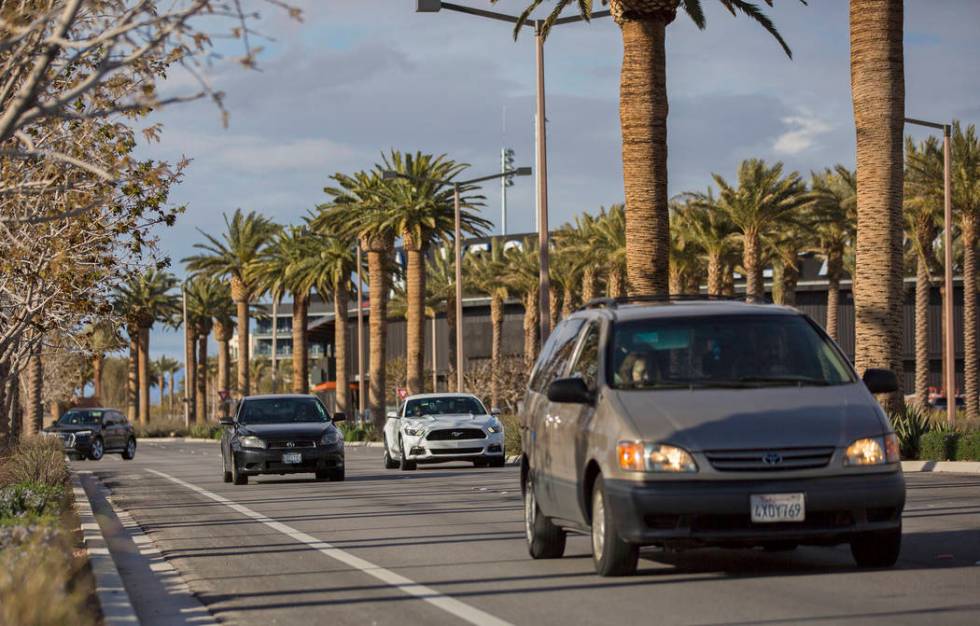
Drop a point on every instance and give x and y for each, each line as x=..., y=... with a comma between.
x=458, y=245
x=361, y=396
x=540, y=135
x=949, y=343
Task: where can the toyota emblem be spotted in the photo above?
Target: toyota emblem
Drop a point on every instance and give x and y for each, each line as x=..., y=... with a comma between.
x=772, y=458
x=290, y=444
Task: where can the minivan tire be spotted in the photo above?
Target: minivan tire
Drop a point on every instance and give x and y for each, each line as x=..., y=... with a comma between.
x=611, y=555
x=877, y=548
x=545, y=540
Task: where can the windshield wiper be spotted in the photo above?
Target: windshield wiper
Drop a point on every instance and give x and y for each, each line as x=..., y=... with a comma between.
x=785, y=380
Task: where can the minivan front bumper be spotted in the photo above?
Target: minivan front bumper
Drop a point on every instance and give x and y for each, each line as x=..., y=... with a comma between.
x=716, y=512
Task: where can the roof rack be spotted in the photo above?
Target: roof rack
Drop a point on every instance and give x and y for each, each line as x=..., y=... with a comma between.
x=612, y=303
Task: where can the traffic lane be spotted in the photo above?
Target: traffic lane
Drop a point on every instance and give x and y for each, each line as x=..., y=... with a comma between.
x=392, y=515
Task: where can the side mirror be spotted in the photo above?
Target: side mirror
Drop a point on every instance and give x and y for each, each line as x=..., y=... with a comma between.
x=495, y=411
x=392, y=415
x=880, y=381
x=340, y=417
x=227, y=421
x=569, y=391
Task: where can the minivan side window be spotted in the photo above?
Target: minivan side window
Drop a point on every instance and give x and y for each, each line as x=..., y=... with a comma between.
x=587, y=364
x=555, y=354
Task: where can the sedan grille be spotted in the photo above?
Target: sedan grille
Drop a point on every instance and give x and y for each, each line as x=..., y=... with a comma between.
x=456, y=434
x=291, y=444
x=775, y=460
x=446, y=451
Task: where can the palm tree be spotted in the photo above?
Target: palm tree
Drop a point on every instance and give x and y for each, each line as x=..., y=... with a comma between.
x=763, y=201
x=205, y=297
x=441, y=286
x=234, y=256
x=878, y=93
x=223, y=314
x=420, y=208
x=714, y=233
x=358, y=209
x=923, y=210
x=99, y=338
x=610, y=243
x=332, y=264
x=486, y=272
x=522, y=264
x=833, y=205
x=145, y=299
x=167, y=367
x=578, y=239
x=686, y=255
x=643, y=121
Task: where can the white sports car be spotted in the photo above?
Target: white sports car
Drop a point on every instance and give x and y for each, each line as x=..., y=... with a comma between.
x=439, y=427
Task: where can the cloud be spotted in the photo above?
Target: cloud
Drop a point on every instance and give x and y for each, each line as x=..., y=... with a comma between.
x=806, y=129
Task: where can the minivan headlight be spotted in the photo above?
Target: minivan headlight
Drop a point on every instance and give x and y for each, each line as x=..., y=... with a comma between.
x=635, y=456
x=251, y=441
x=873, y=451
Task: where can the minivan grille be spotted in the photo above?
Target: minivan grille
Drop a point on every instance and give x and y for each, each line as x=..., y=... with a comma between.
x=775, y=460
x=456, y=434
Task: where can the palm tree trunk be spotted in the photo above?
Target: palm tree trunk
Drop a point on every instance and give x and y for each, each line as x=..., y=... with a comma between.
x=878, y=93
x=497, y=341
x=190, y=371
x=567, y=302
x=340, y=343
x=5, y=389
x=415, y=295
x=451, y=344
x=378, y=290
x=144, y=374
x=643, y=121
x=970, y=383
x=835, y=263
x=588, y=285
x=163, y=392
x=530, y=328
x=714, y=274
x=201, y=395
x=554, y=310
x=34, y=415
x=615, y=286
x=132, y=383
x=788, y=281
x=173, y=392
x=98, y=363
x=922, y=288
x=223, y=334
x=728, y=281
x=754, y=287
x=241, y=296
x=301, y=362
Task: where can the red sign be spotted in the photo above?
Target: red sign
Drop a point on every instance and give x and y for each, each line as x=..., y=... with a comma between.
x=402, y=393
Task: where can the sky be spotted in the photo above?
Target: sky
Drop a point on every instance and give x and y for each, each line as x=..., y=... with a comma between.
x=360, y=77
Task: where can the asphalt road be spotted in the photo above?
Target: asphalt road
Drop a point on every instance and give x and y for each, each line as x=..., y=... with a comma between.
x=445, y=545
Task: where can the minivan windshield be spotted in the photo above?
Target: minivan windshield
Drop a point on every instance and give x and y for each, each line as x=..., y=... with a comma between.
x=448, y=405
x=724, y=351
x=282, y=411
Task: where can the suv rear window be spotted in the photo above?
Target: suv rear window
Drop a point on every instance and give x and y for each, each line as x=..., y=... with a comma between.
x=724, y=351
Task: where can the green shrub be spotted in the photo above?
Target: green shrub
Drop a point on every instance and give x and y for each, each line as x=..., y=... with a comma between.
x=161, y=427
x=512, y=434
x=359, y=433
x=35, y=460
x=910, y=425
x=31, y=498
x=206, y=430
x=968, y=447
x=938, y=445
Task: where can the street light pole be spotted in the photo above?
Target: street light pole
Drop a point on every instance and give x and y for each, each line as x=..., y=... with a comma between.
x=188, y=355
x=949, y=341
x=458, y=244
x=361, y=399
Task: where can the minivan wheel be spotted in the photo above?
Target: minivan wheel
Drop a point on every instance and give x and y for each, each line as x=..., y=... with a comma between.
x=877, y=548
x=545, y=540
x=611, y=555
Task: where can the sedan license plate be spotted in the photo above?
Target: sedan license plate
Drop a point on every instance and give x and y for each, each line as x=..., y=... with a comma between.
x=292, y=457
x=780, y=507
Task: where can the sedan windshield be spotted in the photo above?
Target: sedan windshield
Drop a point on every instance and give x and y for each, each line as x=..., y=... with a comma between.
x=724, y=351
x=282, y=411
x=451, y=405
x=81, y=418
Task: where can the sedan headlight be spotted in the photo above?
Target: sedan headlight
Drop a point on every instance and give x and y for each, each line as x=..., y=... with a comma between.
x=330, y=437
x=873, y=451
x=414, y=431
x=252, y=442
x=495, y=427
x=635, y=456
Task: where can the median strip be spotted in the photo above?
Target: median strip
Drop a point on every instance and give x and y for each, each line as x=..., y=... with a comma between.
x=461, y=610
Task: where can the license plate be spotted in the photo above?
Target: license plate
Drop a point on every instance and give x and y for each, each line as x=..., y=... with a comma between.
x=780, y=507
x=292, y=457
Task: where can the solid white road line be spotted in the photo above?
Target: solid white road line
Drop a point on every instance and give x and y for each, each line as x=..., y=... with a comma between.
x=448, y=604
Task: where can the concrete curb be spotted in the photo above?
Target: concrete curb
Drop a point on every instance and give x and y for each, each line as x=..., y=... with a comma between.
x=175, y=439
x=364, y=444
x=944, y=467
x=113, y=599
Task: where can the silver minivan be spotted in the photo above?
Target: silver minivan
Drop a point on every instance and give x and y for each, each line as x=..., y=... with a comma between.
x=706, y=423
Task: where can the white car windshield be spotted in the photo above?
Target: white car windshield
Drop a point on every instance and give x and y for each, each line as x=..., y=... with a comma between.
x=450, y=405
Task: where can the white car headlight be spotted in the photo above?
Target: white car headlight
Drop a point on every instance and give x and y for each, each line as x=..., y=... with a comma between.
x=873, y=451
x=635, y=456
x=495, y=427
x=415, y=430
x=250, y=441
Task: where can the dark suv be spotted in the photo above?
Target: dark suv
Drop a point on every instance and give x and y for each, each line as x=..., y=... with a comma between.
x=90, y=433
x=706, y=423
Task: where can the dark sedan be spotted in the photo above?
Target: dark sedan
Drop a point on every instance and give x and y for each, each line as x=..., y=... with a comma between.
x=91, y=433
x=282, y=434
